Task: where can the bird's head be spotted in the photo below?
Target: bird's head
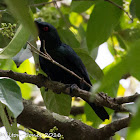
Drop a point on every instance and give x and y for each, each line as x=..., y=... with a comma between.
x=47, y=32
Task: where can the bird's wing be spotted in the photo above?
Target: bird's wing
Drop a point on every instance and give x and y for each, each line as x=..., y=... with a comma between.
x=73, y=61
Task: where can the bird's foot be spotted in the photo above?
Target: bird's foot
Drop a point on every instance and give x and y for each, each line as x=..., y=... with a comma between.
x=72, y=88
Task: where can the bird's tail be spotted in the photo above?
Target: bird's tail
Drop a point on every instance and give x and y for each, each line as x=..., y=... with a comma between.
x=100, y=111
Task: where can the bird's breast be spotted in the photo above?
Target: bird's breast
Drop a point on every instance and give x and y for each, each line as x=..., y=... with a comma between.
x=56, y=73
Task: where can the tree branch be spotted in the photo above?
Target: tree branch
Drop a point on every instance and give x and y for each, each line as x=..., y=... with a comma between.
x=110, y=129
x=127, y=99
x=57, y=87
x=42, y=120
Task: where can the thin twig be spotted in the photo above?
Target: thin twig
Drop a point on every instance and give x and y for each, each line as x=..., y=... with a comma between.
x=48, y=57
x=44, y=3
x=46, y=51
x=119, y=8
x=44, y=47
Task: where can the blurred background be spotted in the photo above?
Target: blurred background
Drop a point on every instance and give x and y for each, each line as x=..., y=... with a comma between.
x=104, y=37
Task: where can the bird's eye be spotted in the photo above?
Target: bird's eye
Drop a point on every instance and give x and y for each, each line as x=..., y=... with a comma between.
x=45, y=29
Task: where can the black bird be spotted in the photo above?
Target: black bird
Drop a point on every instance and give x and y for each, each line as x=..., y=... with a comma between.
x=66, y=56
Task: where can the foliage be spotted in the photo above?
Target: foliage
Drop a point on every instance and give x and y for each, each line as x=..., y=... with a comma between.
x=9, y=93
x=84, y=25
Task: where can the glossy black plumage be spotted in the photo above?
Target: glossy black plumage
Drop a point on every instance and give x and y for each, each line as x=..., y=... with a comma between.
x=66, y=56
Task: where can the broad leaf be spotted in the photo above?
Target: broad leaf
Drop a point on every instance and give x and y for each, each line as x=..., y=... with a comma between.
x=90, y=64
x=11, y=126
x=58, y=103
x=10, y=95
x=137, y=7
x=81, y=6
x=103, y=19
x=69, y=38
x=133, y=8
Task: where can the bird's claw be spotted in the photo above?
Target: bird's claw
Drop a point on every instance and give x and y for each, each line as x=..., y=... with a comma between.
x=72, y=87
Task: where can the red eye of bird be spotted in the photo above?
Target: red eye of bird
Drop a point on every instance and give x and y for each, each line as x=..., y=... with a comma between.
x=45, y=28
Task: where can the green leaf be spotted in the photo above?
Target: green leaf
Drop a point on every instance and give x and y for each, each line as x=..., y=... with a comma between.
x=82, y=35
x=81, y=6
x=132, y=8
x=131, y=63
x=137, y=7
x=111, y=47
x=90, y=64
x=58, y=103
x=2, y=5
x=6, y=64
x=69, y=38
x=18, y=41
x=103, y=19
x=4, y=41
x=121, y=42
x=22, y=12
x=5, y=119
x=10, y=95
x=11, y=127
x=7, y=18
